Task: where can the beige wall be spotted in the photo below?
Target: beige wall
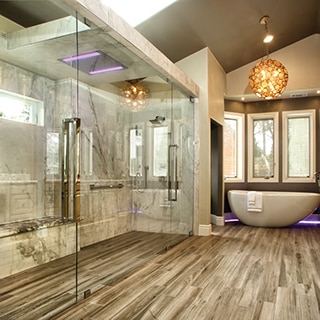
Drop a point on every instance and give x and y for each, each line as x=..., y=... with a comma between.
x=217, y=86
x=302, y=60
x=205, y=71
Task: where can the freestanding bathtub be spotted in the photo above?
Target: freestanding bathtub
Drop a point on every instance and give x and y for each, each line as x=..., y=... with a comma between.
x=275, y=209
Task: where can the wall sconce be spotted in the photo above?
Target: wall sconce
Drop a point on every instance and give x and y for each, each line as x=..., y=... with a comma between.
x=268, y=78
x=134, y=95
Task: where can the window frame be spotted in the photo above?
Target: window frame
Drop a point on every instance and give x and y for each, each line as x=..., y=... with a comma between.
x=239, y=117
x=311, y=114
x=261, y=116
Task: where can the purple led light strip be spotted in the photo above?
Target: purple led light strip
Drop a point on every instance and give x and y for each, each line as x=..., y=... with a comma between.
x=82, y=56
x=309, y=222
x=314, y=222
x=106, y=70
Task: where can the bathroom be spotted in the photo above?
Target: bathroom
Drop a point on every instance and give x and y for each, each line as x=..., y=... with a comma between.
x=303, y=174
x=78, y=165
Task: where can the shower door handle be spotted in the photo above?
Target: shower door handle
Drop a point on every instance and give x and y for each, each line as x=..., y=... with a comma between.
x=173, y=172
x=71, y=170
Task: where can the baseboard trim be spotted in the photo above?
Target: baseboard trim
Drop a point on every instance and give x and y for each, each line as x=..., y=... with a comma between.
x=204, y=230
x=217, y=220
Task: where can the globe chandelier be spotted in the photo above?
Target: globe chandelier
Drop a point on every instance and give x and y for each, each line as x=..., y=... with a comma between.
x=134, y=95
x=268, y=78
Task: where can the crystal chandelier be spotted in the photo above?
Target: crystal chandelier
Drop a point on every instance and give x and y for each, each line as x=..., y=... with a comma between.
x=268, y=78
x=134, y=95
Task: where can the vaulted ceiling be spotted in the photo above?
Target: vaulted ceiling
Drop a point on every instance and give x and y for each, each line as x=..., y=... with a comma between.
x=229, y=28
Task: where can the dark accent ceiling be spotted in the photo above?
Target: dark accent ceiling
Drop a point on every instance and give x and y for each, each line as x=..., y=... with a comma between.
x=229, y=28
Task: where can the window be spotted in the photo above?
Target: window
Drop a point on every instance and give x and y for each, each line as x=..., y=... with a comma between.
x=298, y=146
x=160, y=151
x=152, y=149
x=136, y=155
x=20, y=108
x=263, y=147
x=233, y=155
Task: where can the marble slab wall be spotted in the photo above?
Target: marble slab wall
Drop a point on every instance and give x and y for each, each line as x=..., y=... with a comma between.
x=23, y=147
x=105, y=212
x=29, y=249
x=28, y=190
x=18, y=200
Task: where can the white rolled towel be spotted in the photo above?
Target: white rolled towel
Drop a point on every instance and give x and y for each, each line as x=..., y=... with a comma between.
x=254, y=201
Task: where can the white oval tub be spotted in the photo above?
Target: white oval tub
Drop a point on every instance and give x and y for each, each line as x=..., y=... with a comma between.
x=272, y=208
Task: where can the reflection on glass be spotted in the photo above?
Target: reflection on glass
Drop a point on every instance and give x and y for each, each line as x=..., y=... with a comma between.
x=52, y=153
x=135, y=152
x=263, y=148
x=160, y=153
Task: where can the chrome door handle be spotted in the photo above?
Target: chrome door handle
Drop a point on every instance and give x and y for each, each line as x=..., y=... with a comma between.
x=173, y=172
x=71, y=170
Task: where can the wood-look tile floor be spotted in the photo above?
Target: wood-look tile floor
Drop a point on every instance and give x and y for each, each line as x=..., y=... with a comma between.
x=238, y=273
x=43, y=291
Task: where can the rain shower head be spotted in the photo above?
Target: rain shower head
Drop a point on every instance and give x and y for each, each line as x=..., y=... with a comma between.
x=157, y=120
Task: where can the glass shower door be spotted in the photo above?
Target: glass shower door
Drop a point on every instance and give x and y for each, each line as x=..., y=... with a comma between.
x=37, y=244
x=149, y=141
x=181, y=166
x=161, y=142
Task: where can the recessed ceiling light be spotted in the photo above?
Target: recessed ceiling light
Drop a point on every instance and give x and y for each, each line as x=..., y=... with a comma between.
x=93, y=62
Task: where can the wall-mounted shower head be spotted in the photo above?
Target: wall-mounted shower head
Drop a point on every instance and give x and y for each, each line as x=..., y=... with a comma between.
x=157, y=120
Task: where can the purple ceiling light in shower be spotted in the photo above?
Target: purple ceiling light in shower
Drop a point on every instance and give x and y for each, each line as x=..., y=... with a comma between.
x=82, y=56
x=106, y=70
x=94, y=62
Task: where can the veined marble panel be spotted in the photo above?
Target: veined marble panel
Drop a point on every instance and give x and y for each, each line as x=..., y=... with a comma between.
x=97, y=231
x=23, y=147
x=29, y=249
x=105, y=213
x=151, y=210
x=45, y=31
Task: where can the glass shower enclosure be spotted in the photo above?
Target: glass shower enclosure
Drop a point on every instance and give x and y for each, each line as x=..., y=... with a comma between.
x=90, y=188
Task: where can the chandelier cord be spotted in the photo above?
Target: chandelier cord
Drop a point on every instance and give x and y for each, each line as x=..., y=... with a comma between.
x=267, y=50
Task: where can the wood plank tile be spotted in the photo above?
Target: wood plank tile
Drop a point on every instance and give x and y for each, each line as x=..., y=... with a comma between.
x=239, y=272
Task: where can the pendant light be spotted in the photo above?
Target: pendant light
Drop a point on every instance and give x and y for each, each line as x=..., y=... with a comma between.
x=134, y=95
x=268, y=78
